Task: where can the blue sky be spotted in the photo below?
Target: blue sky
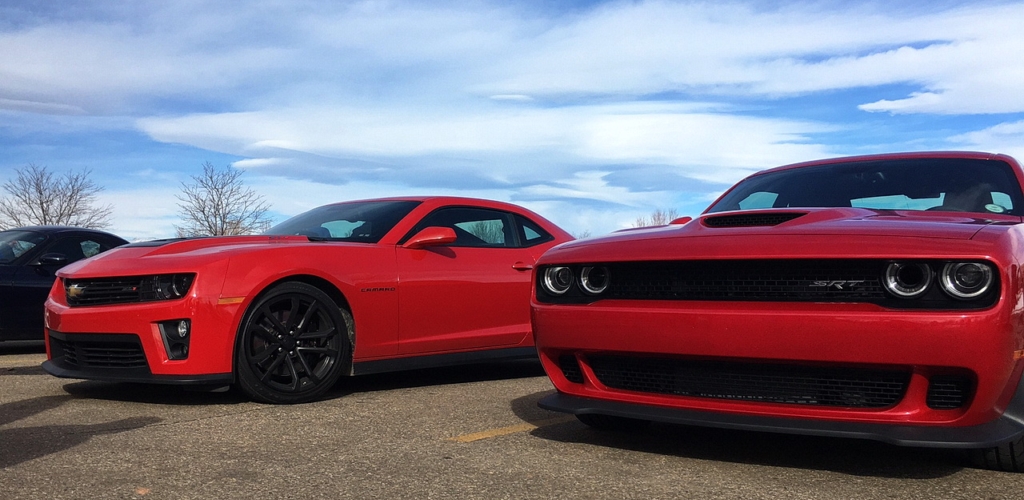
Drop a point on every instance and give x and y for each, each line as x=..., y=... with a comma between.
x=591, y=113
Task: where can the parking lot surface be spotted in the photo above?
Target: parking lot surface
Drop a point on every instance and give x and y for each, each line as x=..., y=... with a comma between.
x=468, y=432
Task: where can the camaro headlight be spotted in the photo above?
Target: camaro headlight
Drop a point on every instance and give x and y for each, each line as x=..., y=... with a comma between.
x=907, y=279
x=966, y=280
x=557, y=280
x=167, y=286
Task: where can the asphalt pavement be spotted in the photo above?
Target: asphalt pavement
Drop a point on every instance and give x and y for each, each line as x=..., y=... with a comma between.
x=468, y=432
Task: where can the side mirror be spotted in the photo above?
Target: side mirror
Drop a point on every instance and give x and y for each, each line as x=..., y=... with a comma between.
x=53, y=259
x=431, y=237
x=680, y=221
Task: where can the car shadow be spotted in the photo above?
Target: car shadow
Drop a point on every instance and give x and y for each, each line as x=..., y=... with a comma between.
x=21, y=444
x=448, y=375
x=22, y=347
x=153, y=393
x=853, y=457
x=177, y=395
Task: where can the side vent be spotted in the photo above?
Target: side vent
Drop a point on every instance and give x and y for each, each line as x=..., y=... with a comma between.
x=570, y=368
x=751, y=220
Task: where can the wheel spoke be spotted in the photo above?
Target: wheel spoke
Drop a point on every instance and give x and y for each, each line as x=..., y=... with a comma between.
x=310, y=311
x=273, y=366
x=309, y=371
x=294, y=311
x=325, y=351
x=267, y=313
x=325, y=334
x=295, y=374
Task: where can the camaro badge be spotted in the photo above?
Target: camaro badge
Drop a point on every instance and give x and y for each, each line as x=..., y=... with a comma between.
x=75, y=291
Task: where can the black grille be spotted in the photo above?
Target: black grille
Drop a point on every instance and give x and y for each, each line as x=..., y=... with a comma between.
x=949, y=392
x=570, y=368
x=785, y=280
x=122, y=290
x=87, y=352
x=764, y=383
x=751, y=220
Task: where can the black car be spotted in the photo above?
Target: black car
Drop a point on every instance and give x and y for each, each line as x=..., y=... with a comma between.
x=29, y=257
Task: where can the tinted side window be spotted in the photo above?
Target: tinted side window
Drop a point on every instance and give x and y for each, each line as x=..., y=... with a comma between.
x=530, y=233
x=475, y=227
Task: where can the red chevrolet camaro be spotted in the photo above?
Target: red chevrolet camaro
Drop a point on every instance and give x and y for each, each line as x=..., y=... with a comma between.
x=877, y=297
x=344, y=289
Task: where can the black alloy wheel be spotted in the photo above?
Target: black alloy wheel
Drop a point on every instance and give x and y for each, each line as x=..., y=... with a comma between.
x=293, y=345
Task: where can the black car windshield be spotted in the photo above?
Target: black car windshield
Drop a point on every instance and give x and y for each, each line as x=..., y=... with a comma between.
x=949, y=184
x=362, y=222
x=14, y=244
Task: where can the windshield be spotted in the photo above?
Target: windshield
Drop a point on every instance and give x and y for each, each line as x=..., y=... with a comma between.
x=14, y=244
x=363, y=222
x=948, y=184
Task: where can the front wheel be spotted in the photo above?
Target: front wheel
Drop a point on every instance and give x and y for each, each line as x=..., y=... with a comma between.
x=293, y=345
x=1007, y=457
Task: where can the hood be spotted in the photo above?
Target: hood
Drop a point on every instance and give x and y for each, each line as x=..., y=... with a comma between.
x=756, y=230
x=172, y=255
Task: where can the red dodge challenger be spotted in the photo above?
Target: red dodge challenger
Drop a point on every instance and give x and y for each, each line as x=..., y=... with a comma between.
x=344, y=289
x=877, y=297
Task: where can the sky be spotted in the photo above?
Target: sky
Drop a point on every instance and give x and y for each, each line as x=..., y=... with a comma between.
x=590, y=113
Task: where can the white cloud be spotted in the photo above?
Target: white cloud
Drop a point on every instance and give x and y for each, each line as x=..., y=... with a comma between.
x=327, y=101
x=1007, y=138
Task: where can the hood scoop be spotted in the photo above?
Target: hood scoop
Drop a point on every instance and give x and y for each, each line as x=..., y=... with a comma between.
x=751, y=220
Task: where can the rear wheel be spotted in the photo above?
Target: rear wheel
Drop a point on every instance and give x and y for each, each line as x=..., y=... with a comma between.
x=293, y=345
x=1007, y=457
x=612, y=423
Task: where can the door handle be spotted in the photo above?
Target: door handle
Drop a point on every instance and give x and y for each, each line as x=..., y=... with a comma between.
x=522, y=266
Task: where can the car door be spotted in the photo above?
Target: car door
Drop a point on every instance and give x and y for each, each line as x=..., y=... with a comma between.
x=31, y=281
x=470, y=294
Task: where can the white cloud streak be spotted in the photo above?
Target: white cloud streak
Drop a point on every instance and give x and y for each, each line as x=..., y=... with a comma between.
x=525, y=101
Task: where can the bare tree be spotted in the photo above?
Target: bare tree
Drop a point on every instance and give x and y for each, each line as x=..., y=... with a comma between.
x=35, y=196
x=217, y=204
x=657, y=218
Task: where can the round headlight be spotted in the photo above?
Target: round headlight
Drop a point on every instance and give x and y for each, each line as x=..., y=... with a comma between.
x=907, y=279
x=180, y=284
x=966, y=280
x=594, y=280
x=558, y=280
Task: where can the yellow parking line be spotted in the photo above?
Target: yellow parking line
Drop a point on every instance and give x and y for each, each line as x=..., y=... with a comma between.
x=512, y=429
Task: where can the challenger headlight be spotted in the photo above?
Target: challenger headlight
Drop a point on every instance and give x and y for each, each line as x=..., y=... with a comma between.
x=594, y=280
x=907, y=279
x=557, y=280
x=966, y=280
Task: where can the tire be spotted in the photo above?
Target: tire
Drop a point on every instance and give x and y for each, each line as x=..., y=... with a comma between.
x=293, y=345
x=612, y=423
x=1008, y=457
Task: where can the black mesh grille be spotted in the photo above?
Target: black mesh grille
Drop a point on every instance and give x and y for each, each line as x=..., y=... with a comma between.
x=949, y=392
x=93, y=351
x=765, y=383
x=570, y=368
x=785, y=280
x=751, y=220
x=122, y=290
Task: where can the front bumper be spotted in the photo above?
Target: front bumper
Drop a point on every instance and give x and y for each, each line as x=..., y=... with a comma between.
x=795, y=340
x=1007, y=428
x=112, y=358
x=134, y=330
